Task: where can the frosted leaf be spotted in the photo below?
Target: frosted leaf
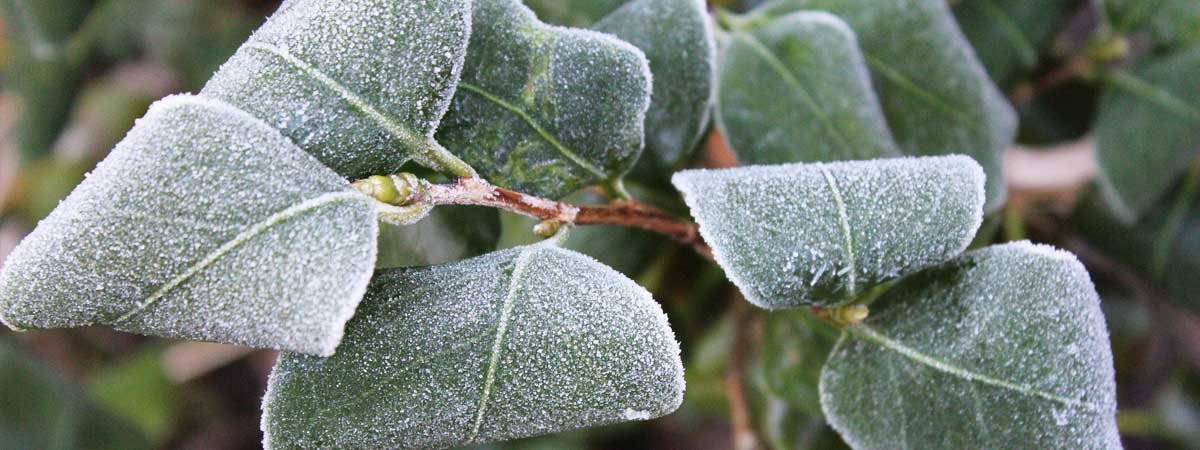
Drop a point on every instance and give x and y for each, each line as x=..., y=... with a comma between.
x=517, y=343
x=936, y=95
x=801, y=234
x=546, y=110
x=1004, y=347
x=1146, y=132
x=360, y=84
x=677, y=37
x=204, y=223
x=798, y=90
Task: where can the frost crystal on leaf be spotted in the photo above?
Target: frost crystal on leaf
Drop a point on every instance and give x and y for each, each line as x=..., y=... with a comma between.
x=360, y=84
x=546, y=110
x=516, y=343
x=800, y=79
x=800, y=234
x=1004, y=347
x=204, y=223
x=677, y=37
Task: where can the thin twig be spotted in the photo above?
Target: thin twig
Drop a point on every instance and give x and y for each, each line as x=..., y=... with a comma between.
x=627, y=213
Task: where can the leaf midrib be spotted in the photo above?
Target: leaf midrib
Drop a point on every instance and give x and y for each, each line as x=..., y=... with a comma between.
x=554, y=142
x=868, y=334
x=805, y=97
x=237, y=241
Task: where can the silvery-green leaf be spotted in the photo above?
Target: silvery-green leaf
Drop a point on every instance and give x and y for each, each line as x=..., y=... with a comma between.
x=677, y=37
x=204, y=223
x=1008, y=35
x=1170, y=22
x=1004, y=347
x=360, y=84
x=936, y=95
x=573, y=13
x=797, y=90
x=449, y=233
x=801, y=234
x=546, y=110
x=1147, y=131
x=41, y=70
x=517, y=343
x=41, y=411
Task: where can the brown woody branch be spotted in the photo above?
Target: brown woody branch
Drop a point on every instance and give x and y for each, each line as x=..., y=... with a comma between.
x=626, y=213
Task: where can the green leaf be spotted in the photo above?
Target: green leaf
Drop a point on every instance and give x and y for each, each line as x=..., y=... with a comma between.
x=1147, y=131
x=1008, y=35
x=677, y=37
x=1170, y=22
x=44, y=70
x=204, y=223
x=546, y=110
x=1005, y=347
x=138, y=390
x=936, y=95
x=797, y=90
x=794, y=348
x=516, y=343
x=573, y=13
x=449, y=233
x=823, y=234
x=359, y=84
x=41, y=411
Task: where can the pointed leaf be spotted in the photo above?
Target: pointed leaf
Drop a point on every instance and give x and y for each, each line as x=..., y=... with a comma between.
x=677, y=37
x=359, y=84
x=41, y=411
x=1004, y=347
x=546, y=110
x=1147, y=131
x=204, y=223
x=937, y=97
x=801, y=234
x=517, y=343
x=797, y=90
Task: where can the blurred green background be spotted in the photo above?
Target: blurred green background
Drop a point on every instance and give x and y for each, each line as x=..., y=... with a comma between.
x=77, y=73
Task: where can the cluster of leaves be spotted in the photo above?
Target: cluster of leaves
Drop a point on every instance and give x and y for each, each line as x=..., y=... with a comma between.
x=228, y=216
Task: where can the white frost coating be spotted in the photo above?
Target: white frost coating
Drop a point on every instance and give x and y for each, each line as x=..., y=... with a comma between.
x=360, y=84
x=1004, y=347
x=798, y=234
x=516, y=343
x=204, y=223
x=544, y=109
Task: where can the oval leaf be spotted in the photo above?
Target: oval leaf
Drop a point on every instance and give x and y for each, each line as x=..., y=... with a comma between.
x=546, y=110
x=1147, y=131
x=798, y=90
x=516, y=343
x=1002, y=348
x=204, y=223
x=677, y=37
x=802, y=234
x=937, y=97
x=359, y=84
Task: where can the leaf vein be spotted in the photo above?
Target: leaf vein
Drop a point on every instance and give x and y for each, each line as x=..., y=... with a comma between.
x=847, y=236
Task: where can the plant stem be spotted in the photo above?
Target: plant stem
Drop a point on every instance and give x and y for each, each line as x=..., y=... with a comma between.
x=626, y=213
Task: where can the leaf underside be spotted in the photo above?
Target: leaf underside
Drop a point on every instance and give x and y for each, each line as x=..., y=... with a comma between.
x=798, y=90
x=517, y=343
x=822, y=234
x=1004, y=347
x=204, y=223
x=546, y=110
x=936, y=95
